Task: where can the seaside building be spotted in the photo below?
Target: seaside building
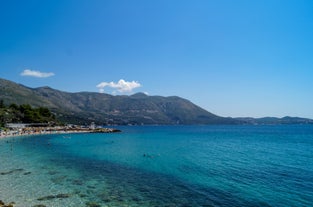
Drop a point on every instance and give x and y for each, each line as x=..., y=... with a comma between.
x=92, y=125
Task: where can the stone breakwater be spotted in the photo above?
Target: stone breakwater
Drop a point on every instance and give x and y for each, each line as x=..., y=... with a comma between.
x=104, y=130
x=53, y=130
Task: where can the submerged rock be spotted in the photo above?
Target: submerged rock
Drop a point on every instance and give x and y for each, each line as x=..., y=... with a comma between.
x=45, y=198
x=50, y=197
x=92, y=204
x=83, y=195
x=63, y=195
x=27, y=173
x=2, y=204
x=11, y=171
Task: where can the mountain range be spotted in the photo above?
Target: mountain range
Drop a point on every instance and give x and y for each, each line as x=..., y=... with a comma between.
x=137, y=109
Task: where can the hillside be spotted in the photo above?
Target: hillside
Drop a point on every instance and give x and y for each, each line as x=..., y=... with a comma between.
x=24, y=114
x=84, y=107
x=275, y=120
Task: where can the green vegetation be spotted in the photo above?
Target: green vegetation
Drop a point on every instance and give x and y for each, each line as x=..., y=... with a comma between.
x=104, y=109
x=24, y=114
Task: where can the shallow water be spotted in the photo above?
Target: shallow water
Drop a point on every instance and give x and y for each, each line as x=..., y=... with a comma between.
x=162, y=166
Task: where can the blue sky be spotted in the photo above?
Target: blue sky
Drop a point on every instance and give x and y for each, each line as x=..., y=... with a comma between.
x=233, y=58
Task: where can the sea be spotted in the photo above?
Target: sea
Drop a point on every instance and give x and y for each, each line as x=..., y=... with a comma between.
x=161, y=166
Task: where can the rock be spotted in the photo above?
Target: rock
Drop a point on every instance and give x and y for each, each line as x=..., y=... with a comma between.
x=39, y=205
x=107, y=200
x=45, y=198
x=11, y=171
x=83, y=195
x=63, y=195
x=105, y=130
x=92, y=204
x=2, y=204
x=50, y=197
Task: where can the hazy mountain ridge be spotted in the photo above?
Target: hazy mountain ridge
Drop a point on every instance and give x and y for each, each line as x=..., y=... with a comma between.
x=84, y=107
x=275, y=120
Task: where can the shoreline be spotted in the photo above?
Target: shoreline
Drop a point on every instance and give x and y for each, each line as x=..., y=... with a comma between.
x=31, y=131
x=35, y=131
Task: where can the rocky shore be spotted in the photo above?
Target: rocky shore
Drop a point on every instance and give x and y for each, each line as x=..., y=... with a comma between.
x=28, y=131
x=54, y=130
x=2, y=204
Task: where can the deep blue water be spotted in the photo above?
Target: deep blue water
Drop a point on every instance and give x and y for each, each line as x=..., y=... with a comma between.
x=162, y=166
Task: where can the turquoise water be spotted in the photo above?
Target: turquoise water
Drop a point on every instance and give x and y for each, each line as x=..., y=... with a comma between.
x=161, y=166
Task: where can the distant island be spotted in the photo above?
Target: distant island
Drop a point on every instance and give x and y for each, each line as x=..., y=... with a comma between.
x=137, y=109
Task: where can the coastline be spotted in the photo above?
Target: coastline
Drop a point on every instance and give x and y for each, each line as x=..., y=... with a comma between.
x=35, y=131
x=31, y=131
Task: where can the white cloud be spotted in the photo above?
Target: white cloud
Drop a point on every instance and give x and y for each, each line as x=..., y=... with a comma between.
x=121, y=86
x=36, y=74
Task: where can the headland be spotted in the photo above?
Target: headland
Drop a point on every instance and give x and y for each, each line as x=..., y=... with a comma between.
x=26, y=131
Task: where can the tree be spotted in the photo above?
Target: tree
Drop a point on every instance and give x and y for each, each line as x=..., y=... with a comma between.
x=25, y=107
x=14, y=106
x=2, y=104
x=25, y=113
x=44, y=112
